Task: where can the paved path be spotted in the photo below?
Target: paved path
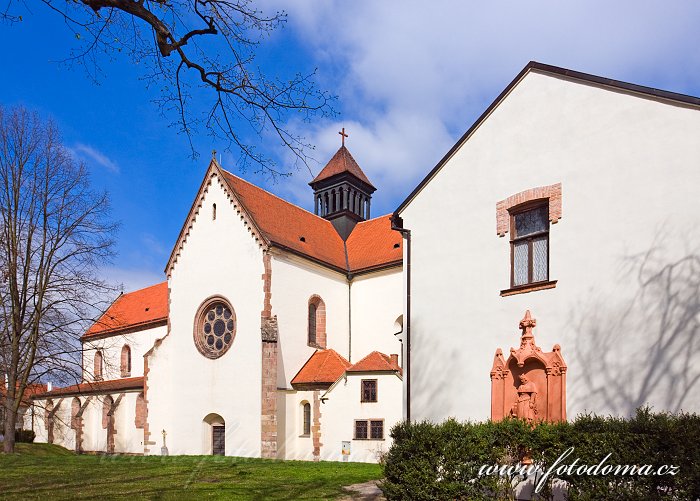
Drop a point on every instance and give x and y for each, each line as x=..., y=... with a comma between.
x=363, y=492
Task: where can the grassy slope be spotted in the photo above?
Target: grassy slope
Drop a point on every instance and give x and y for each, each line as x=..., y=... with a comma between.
x=40, y=471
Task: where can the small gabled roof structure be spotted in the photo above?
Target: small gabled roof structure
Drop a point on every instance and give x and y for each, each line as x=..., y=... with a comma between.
x=140, y=309
x=342, y=162
x=321, y=370
x=376, y=362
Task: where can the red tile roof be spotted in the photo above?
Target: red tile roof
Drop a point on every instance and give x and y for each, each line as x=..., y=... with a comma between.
x=285, y=224
x=342, y=162
x=371, y=243
x=375, y=362
x=140, y=308
x=29, y=391
x=324, y=367
x=130, y=383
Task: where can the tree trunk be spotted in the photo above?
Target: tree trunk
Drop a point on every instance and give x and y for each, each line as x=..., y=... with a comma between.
x=10, y=419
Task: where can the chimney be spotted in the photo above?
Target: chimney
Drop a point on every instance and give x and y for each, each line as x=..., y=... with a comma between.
x=394, y=360
x=49, y=386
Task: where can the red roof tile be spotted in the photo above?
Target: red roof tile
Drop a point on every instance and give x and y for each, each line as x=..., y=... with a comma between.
x=285, y=224
x=29, y=391
x=373, y=243
x=375, y=362
x=324, y=367
x=341, y=162
x=130, y=383
x=134, y=309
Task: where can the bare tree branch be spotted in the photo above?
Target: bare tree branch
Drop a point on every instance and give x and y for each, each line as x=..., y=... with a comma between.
x=201, y=53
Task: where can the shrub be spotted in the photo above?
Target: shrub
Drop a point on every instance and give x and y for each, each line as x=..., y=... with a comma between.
x=442, y=461
x=25, y=436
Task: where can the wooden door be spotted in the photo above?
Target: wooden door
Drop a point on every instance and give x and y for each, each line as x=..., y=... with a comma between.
x=218, y=436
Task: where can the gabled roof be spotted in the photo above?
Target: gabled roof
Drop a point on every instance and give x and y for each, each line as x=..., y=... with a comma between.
x=323, y=368
x=285, y=224
x=370, y=245
x=375, y=362
x=555, y=71
x=373, y=243
x=129, y=383
x=342, y=162
x=139, y=309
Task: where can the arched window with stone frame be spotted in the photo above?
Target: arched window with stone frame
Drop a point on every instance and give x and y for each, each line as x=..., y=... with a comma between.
x=98, y=366
x=317, y=323
x=126, y=361
x=305, y=419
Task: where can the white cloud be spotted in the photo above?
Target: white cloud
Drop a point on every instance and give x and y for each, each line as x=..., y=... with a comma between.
x=92, y=155
x=412, y=76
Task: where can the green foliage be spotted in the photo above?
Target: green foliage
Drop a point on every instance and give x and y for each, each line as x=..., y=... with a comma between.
x=442, y=461
x=24, y=436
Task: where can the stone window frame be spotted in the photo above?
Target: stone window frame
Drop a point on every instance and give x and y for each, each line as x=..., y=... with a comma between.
x=316, y=322
x=125, y=365
x=368, y=428
x=305, y=424
x=98, y=366
x=376, y=391
x=203, y=309
x=526, y=200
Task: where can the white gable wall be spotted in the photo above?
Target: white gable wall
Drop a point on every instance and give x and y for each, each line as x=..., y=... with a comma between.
x=219, y=257
x=629, y=172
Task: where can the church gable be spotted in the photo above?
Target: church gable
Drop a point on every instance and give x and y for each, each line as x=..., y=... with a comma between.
x=213, y=177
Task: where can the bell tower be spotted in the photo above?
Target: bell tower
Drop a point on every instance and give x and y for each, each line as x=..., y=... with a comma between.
x=342, y=192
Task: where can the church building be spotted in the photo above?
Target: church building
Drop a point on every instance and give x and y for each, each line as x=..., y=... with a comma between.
x=276, y=334
x=547, y=266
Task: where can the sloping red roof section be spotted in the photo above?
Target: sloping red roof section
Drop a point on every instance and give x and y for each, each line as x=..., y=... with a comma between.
x=341, y=162
x=373, y=243
x=129, y=383
x=323, y=367
x=132, y=310
x=285, y=224
x=29, y=391
x=375, y=362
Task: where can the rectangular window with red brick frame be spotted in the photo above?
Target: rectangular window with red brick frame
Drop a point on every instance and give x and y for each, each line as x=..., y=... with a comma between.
x=529, y=244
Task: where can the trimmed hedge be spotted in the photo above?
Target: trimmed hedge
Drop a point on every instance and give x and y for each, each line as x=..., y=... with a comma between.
x=24, y=436
x=442, y=461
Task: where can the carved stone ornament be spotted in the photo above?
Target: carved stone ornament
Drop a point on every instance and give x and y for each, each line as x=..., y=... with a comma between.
x=269, y=330
x=531, y=384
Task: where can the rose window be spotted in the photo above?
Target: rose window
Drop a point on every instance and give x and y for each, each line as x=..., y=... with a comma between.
x=216, y=328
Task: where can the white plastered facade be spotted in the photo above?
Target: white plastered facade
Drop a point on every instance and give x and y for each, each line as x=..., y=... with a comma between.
x=188, y=394
x=624, y=253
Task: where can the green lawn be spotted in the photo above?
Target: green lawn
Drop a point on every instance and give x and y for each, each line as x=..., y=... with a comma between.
x=41, y=471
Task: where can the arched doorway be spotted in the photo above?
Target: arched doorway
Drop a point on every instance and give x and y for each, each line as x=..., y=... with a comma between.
x=214, y=435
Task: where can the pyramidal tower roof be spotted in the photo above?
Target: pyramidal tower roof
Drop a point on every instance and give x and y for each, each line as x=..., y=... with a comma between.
x=342, y=162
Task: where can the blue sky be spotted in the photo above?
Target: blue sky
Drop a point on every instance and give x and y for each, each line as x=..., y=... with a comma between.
x=410, y=77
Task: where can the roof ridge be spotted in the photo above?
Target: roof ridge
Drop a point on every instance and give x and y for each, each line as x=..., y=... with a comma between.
x=273, y=195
